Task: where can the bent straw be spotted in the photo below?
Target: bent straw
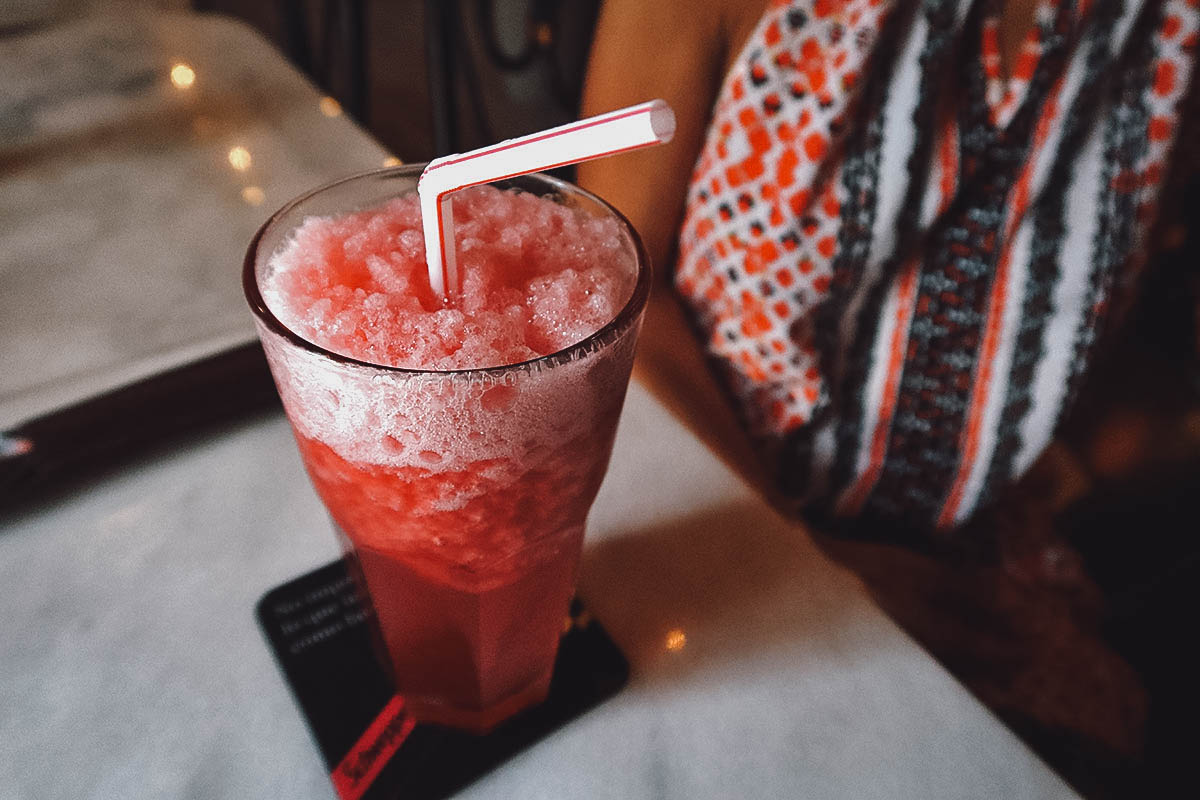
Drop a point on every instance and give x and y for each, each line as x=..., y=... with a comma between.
x=618, y=131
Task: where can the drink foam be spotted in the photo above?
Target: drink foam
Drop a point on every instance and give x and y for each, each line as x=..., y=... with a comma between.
x=538, y=277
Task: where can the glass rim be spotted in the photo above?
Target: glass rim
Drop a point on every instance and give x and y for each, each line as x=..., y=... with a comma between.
x=624, y=318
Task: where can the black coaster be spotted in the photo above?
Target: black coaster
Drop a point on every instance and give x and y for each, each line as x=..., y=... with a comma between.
x=318, y=630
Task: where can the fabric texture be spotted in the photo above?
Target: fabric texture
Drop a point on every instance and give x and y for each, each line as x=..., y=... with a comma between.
x=900, y=260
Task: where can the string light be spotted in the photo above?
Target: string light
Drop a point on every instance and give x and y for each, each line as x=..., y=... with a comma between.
x=239, y=158
x=254, y=195
x=182, y=76
x=330, y=107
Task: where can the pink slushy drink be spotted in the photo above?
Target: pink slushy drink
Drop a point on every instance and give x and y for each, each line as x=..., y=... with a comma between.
x=458, y=446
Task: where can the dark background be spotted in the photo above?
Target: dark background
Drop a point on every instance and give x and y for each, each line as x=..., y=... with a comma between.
x=516, y=65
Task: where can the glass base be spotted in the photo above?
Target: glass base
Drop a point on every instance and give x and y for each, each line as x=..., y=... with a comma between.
x=478, y=721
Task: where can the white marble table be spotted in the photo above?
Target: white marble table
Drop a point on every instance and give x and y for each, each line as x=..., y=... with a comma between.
x=132, y=665
x=137, y=158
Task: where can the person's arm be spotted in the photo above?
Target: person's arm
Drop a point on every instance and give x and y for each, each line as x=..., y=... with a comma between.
x=676, y=51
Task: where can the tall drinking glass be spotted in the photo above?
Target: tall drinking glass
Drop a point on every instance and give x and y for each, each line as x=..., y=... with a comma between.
x=460, y=496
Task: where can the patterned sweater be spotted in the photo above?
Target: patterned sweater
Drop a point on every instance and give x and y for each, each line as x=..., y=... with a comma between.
x=900, y=260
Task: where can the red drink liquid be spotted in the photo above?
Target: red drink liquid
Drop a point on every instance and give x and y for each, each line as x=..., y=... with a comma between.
x=462, y=495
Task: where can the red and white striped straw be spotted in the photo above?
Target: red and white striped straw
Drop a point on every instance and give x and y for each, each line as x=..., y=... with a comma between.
x=604, y=135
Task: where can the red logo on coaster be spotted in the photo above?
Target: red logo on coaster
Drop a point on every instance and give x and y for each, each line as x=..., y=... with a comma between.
x=358, y=769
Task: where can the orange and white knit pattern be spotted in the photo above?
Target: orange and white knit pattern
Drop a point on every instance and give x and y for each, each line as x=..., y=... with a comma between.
x=900, y=258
